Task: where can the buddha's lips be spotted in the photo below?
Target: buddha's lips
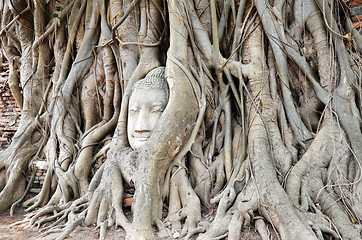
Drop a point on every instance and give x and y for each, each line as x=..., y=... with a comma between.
x=139, y=138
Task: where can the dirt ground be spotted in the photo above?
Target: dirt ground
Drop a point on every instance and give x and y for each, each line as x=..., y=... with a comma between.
x=22, y=231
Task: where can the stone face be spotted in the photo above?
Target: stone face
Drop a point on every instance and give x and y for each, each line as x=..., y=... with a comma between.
x=148, y=100
x=145, y=109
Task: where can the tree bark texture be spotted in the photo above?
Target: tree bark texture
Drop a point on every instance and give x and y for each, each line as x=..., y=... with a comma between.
x=262, y=126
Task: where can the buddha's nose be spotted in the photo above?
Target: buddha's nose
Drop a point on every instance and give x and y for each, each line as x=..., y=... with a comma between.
x=142, y=122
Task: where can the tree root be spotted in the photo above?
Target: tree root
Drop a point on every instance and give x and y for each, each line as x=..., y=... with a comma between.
x=183, y=204
x=262, y=229
x=312, y=189
x=16, y=182
x=12, y=208
x=233, y=212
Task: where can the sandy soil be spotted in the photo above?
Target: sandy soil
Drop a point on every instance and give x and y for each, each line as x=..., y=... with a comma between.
x=22, y=231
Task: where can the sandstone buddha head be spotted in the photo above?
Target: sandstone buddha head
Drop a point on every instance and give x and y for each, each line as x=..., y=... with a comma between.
x=147, y=102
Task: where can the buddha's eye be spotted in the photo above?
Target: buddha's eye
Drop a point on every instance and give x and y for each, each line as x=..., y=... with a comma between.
x=133, y=110
x=157, y=109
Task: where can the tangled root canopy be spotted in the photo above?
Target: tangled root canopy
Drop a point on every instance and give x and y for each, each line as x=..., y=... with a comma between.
x=262, y=128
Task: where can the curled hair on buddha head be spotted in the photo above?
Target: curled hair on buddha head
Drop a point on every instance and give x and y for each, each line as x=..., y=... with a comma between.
x=154, y=79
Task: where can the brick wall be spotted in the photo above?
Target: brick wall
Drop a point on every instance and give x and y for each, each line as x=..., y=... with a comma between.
x=9, y=119
x=9, y=112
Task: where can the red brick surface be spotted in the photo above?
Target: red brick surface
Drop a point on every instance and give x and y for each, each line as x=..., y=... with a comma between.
x=9, y=114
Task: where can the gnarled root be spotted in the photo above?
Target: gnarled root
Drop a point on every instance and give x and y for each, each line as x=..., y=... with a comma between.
x=234, y=212
x=15, y=179
x=110, y=189
x=184, y=204
x=101, y=205
x=308, y=183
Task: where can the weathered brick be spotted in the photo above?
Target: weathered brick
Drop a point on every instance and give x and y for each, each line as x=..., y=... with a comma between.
x=8, y=112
